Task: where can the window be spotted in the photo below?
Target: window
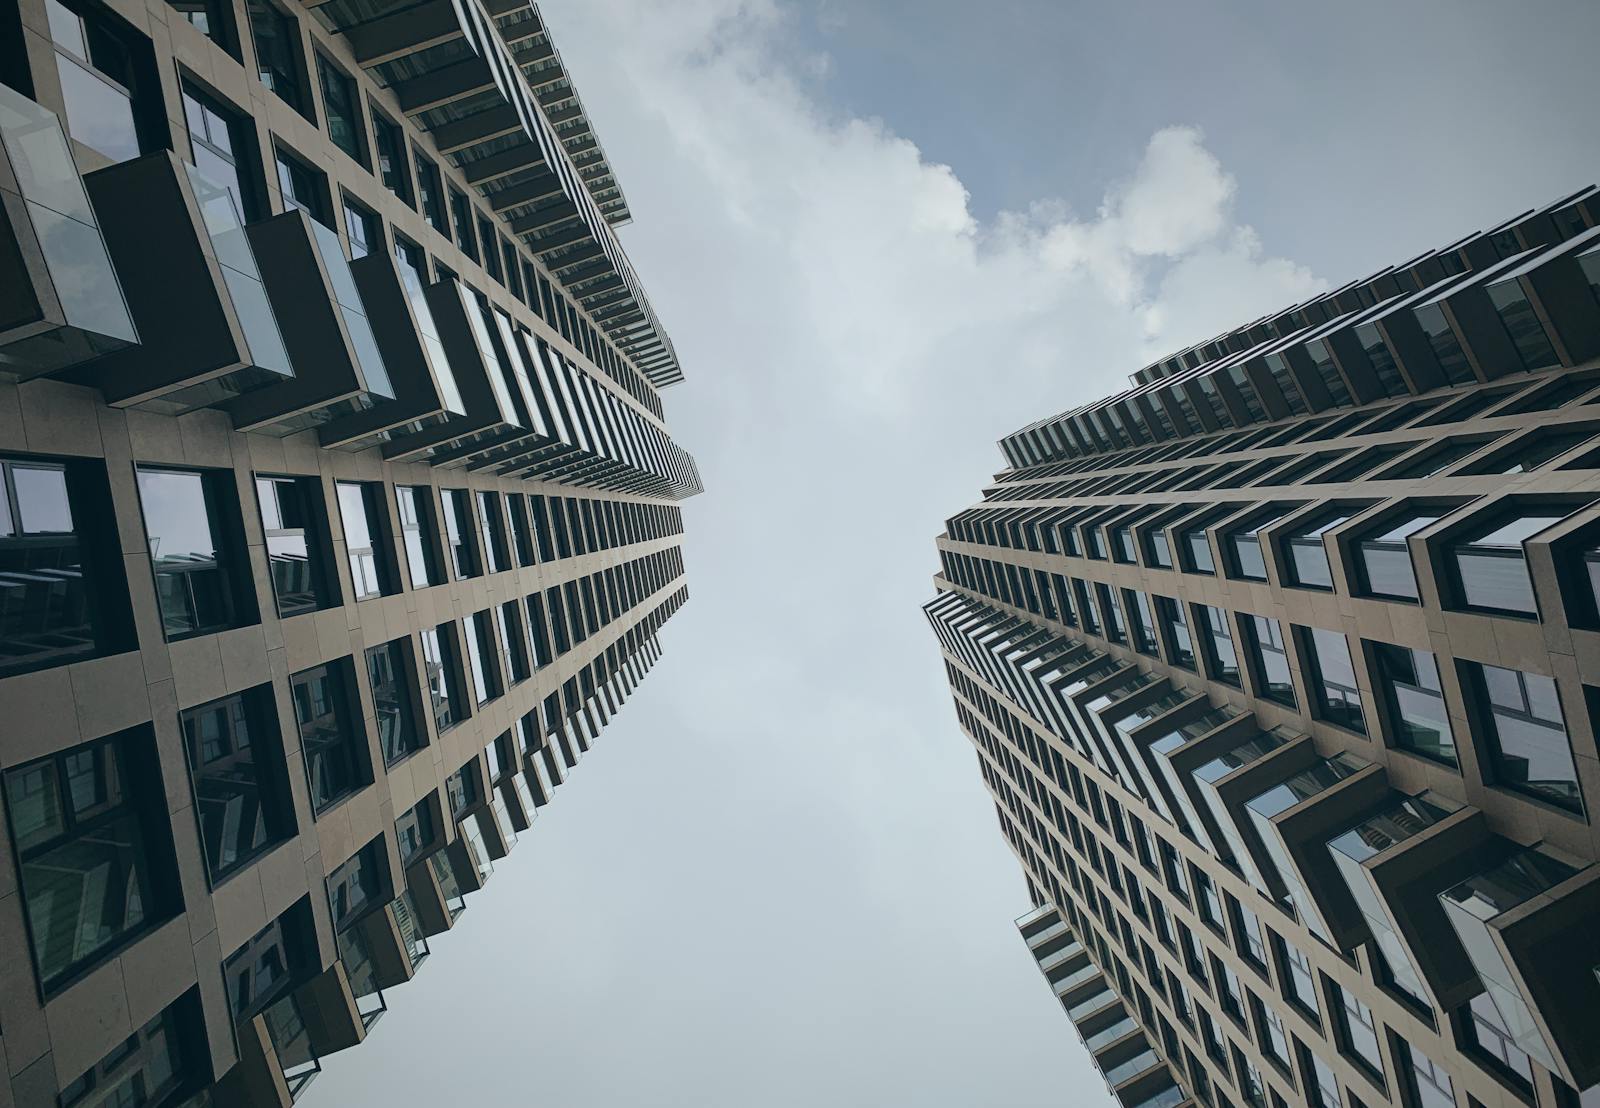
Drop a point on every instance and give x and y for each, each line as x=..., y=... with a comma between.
x=95, y=873
x=1248, y=937
x=458, y=533
x=1156, y=549
x=416, y=830
x=513, y=643
x=1321, y=1083
x=260, y=978
x=1446, y=346
x=418, y=529
x=1274, y=1039
x=1269, y=658
x=1141, y=621
x=342, y=105
x=241, y=788
x=1413, y=702
x=291, y=516
x=279, y=60
x=1489, y=570
x=1430, y=1084
x=212, y=18
x=361, y=227
x=1307, y=556
x=1116, y=629
x=491, y=255
x=331, y=736
x=461, y=789
x=390, y=146
x=48, y=610
x=1244, y=547
x=521, y=531
x=1522, y=325
x=362, y=517
x=359, y=886
x=222, y=148
x=1484, y=1034
x=430, y=194
x=96, y=67
x=1335, y=695
x=1358, y=1031
x=1180, y=647
x=201, y=585
x=461, y=216
x=389, y=674
x=1299, y=979
x=152, y=1066
x=1217, y=639
x=1197, y=551
x=482, y=653
x=1532, y=451
x=1384, y=559
x=494, y=532
x=539, y=629
x=1529, y=749
x=303, y=187
x=443, y=666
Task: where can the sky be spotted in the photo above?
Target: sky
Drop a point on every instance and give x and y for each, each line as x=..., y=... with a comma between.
x=883, y=235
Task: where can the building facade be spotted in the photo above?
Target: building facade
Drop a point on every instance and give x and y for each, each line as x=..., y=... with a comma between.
x=1283, y=669
x=338, y=515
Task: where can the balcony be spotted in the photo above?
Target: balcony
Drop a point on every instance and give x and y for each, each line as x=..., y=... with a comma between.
x=61, y=303
x=209, y=333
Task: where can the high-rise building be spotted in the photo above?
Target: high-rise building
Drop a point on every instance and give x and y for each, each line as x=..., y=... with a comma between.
x=1283, y=669
x=338, y=515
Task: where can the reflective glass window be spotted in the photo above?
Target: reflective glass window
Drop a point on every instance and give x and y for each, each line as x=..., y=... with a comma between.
x=236, y=762
x=1529, y=748
x=1336, y=695
x=1413, y=700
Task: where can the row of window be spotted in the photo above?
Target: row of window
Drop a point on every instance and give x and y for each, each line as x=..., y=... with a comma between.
x=1524, y=743
x=113, y=104
x=1401, y=341
x=1427, y=413
x=1478, y=1026
x=90, y=827
x=59, y=593
x=1485, y=564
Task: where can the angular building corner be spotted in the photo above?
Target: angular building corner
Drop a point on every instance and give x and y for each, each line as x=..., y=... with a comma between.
x=1283, y=669
x=338, y=515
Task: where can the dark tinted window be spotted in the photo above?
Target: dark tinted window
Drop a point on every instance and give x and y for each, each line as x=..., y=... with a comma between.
x=1270, y=657
x=291, y=517
x=1526, y=734
x=1489, y=569
x=83, y=825
x=342, y=105
x=443, y=666
x=198, y=580
x=458, y=530
x=389, y=673
x=1336, y=696
x=1413, y=701
x=365, y=525
x=279, y=60
x=236, y=762
x=331, y=736
x=420, y=534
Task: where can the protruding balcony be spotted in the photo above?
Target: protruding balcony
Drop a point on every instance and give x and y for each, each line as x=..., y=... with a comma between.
x=425, y=392
x=208, y=331
x=1393, y=864
x=1293, y=819
x=1528, y=926
x=325, y=329
x=1233, y=777
x=61, y=303
x=1154, y=741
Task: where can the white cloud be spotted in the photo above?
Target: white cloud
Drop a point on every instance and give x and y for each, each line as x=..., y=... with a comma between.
x=790, y=847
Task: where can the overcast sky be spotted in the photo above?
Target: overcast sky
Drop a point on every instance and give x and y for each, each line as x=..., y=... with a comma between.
x=882, y=236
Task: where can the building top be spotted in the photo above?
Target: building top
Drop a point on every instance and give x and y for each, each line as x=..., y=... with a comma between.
x=523, y=28
x=482, y=77
x=1381, y=335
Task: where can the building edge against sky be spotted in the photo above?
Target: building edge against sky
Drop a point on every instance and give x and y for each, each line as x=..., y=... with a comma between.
x=1283, y=669
x=338, y=515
